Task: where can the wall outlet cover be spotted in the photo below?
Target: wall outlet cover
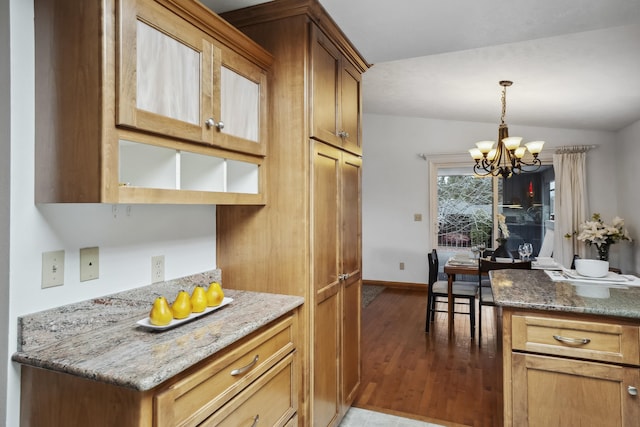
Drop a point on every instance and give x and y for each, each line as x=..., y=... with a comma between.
x=89, y=263
x=157, y=269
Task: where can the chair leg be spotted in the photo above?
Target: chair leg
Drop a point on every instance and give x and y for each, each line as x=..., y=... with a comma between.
x=428, y=320
x=479, y=324
x=472, y=314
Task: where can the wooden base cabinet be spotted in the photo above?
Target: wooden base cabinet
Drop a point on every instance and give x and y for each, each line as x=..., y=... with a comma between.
x=147, y=101
x=570, y=370
x=307, y=240
x=254, y=380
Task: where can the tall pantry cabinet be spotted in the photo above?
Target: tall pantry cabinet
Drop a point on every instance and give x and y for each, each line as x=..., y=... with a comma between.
x=307, y=239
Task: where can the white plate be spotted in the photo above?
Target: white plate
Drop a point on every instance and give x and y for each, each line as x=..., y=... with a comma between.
x=610, y=277
x=462, y=262
x=176, y=322
x=551, y=266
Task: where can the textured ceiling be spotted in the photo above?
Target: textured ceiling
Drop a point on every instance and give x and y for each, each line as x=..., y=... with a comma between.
x=574, y=63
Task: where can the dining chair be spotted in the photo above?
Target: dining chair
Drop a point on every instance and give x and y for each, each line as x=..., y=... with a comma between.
x=464, y=293
x=485, y=294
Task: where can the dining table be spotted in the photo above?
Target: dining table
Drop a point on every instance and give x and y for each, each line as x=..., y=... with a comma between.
x=470, y=266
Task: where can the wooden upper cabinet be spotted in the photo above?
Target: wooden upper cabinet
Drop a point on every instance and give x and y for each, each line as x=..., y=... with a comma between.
x=336, y=95
x=147, y=101
x=176, y=80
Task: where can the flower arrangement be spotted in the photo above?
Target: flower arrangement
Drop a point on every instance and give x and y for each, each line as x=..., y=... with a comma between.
x=596, y=232
x=503, y=229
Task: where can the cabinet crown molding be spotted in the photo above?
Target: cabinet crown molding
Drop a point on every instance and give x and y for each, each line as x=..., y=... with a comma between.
x=312, y=9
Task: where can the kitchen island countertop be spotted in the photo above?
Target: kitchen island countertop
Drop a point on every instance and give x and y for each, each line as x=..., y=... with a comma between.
x=99, y=339
x=533, y=289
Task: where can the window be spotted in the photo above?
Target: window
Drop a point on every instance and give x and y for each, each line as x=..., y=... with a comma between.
x=465, y=210
x=467, y=207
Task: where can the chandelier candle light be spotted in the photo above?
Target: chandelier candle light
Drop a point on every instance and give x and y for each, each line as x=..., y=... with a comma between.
x=507, y=158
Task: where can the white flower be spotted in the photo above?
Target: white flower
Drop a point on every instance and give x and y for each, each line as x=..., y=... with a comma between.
x=596, y=232
x=502, y=225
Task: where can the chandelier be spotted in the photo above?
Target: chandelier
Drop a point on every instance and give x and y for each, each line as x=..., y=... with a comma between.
x=508, y=156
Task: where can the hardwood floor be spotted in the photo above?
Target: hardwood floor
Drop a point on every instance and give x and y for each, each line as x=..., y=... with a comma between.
x=427, y=376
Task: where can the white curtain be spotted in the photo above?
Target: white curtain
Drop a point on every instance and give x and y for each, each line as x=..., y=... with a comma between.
x=571, y=205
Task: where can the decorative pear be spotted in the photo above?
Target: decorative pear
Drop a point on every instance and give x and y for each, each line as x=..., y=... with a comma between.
x=214, y=294
x=182, y=305
x=160, y=314
x=198, y=299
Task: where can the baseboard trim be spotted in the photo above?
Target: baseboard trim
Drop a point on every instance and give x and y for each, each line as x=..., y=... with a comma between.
x=397, y=285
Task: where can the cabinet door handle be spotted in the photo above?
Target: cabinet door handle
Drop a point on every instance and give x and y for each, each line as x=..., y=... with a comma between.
x=572, y=341
x=343, y=134
x=212, y=123
x=255, y=421
x=245, y=368
x=632, y=390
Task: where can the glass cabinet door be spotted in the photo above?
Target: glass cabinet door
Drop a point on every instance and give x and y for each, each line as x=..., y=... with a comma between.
x=242, y=105
x=165, y=77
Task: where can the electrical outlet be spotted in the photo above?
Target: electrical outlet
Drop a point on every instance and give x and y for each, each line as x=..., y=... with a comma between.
x=417, y=217
x=89, y=263
x=52, y=269
x=402, y=266
x=157, y=269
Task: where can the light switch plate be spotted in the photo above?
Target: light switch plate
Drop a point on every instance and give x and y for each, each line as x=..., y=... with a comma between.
x=89, y=263
x=52, y=269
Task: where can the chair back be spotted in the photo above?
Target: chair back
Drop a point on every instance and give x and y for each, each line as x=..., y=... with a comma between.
x=573, y=261
x=433, y=267
x=486, y=266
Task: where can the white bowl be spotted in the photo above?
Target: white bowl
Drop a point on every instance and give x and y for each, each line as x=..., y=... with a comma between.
x=592, y=267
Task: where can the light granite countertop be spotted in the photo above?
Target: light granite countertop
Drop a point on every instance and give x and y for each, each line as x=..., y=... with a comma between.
x=99, y=339
x=533, y=289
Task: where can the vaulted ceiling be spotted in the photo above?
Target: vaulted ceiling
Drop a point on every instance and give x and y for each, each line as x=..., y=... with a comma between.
x=574, y=63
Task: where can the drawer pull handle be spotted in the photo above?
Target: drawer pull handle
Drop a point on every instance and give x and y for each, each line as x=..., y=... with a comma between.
x=572, y=341
x=632, y=390
x=255, y=421
x=245, y=368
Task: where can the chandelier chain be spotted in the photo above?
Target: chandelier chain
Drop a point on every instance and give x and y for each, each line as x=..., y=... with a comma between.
x=504, y=104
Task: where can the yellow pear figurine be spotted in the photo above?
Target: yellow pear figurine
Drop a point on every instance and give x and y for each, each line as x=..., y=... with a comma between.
x=182, y=305
x=160, y=314
x=214, y=294
x=198, y=299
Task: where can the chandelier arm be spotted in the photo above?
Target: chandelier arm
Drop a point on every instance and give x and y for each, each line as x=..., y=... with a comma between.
x=480, y=170
x=536, y=162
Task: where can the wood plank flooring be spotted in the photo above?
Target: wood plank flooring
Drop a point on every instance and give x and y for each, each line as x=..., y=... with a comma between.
x=428, y=376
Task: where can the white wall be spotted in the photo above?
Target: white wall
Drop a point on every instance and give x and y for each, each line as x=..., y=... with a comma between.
x=628, y=191
x=5, y=163
x=395, y=184
x=127, y=239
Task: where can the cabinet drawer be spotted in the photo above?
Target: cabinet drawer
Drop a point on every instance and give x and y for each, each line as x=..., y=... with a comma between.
x=203, y=390
x=269, y=401
x=601, y=341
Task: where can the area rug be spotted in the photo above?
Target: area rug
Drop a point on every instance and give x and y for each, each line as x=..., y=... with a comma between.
x=369, y=293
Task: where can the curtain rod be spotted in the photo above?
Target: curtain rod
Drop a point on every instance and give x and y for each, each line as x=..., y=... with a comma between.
x=575, y=148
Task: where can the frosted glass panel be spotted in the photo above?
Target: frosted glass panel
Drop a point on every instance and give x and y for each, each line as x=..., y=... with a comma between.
x=168, y=76
x=148, y=166
x=242, y=177
x=240, y=105
x=202, y=173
